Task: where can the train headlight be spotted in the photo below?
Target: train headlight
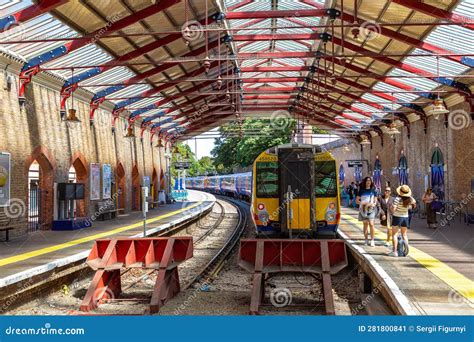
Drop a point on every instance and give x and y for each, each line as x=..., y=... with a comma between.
x=260, y=206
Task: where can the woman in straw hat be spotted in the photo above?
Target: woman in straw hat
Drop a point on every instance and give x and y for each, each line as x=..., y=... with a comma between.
x=400, y=207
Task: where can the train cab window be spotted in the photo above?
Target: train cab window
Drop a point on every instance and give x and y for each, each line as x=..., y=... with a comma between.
x=267, y=179
x=325, y=179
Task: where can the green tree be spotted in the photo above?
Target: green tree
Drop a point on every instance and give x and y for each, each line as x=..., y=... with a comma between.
x=205, y=165
x=232, y=151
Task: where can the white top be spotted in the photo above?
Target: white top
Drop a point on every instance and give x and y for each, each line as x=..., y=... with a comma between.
x=399, y=209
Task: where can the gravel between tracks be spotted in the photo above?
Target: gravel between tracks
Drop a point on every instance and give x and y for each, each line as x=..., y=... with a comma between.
x=228, y=294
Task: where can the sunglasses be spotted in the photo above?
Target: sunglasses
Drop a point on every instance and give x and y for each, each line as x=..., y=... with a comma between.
x=388, y=190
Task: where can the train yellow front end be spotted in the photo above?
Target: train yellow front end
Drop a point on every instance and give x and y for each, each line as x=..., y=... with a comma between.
x=295, y=192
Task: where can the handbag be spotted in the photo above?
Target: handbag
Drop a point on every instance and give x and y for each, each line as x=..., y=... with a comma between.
x=436, y=206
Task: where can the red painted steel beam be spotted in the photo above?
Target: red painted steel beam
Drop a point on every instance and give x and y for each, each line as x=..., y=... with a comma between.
x=266, y=97
x=28, y=13
x=401, y=65
x=273, y=68
x=276, y=36
x=435, y=12
x=238, y=5
x=350, y=19
x=325, y=119
x=276, y=14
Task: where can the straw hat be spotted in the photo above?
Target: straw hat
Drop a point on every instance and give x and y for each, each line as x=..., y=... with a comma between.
x=404, y=191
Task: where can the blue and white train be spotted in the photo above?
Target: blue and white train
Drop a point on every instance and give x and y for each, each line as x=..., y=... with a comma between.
x=238, y=185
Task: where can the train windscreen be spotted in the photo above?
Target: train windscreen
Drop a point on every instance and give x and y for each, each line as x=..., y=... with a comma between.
x=325, y=179
x=267, y=179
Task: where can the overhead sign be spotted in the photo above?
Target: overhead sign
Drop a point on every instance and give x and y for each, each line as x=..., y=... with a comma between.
x=354, y=163
x=181, y=165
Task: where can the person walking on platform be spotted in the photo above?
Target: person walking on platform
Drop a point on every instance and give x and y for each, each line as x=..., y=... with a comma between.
x=385, y=201
x=367, y=200
x=399, y=208
x=351, y=192
x=428, y=198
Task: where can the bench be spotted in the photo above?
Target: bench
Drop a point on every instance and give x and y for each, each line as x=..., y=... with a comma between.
x=6, y=226
x=106, y=210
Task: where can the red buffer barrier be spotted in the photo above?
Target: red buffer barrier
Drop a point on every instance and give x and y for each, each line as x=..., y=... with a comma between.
x=109, y=256
x=263, y=256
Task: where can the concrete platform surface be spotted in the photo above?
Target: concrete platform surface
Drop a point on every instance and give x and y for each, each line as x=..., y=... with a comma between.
x=42, y=251
x=436, y=278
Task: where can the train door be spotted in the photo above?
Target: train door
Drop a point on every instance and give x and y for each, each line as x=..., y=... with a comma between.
x=296, y=184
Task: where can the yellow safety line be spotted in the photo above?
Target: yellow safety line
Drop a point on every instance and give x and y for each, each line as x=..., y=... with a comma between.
x=454, y=279
x=28, y=255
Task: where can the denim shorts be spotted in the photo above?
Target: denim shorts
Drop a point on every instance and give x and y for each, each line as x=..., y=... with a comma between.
x=367, y=217
x=400, y=221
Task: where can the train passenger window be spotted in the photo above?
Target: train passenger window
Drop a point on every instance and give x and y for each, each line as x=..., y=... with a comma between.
x=267, y=179
x=325, y=179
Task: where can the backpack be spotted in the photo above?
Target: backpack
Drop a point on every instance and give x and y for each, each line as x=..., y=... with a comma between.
x=402, y=247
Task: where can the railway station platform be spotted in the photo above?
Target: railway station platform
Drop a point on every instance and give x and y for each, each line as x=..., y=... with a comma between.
x=436, y=278
x=43, y=252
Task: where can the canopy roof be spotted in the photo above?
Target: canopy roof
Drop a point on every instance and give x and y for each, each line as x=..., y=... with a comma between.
x=341, y=68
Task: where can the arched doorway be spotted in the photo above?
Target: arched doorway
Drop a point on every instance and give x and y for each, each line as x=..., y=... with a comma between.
x=40, y=191
x=135, y=189
x=437, y=173
x=78, y=174
x=120, y=184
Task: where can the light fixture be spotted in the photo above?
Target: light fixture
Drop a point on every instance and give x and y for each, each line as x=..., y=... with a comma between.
x=160, y=143
x=176, y=150
x=438, y=107
x=207, y=64
x=393, y=130
x=365, y=141
x=71, y=117
x=130, y=134
x=219, y=82
x=346, y=148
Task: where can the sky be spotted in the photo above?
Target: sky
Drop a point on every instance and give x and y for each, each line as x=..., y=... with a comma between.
x=204, y=146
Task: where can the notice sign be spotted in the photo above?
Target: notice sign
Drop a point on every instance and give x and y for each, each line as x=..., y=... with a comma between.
x=106, y=181
x=4, y=179
x=95, y=181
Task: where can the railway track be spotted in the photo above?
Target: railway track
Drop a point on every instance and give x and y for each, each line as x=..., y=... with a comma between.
x=213, y=222
x=45, y=284
x=213, y=267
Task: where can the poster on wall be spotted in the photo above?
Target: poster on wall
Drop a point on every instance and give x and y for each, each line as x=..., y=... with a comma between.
x=4, y=179
x=95, y=181
x=106, y=181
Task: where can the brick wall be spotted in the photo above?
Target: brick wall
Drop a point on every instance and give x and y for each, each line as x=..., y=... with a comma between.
x=457, y=147
x=35, y=131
